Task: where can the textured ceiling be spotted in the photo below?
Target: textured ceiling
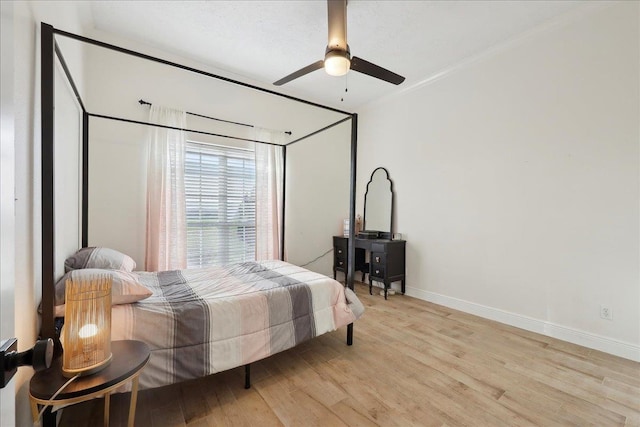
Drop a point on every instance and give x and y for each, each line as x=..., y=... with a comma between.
x=263, y=41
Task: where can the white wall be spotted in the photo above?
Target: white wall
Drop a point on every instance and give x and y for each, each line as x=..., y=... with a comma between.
x=117, y=185
x=117, y=182
x=117, y=150
x=68, y=171
x=317, y=197
x=7, y=203
x=516, y=180
x=117, y=156
x=25, y=143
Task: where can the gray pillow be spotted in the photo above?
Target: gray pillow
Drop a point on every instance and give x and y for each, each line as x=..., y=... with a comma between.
x=105, y=258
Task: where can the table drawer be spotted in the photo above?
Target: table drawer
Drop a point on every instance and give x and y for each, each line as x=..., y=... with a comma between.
x=379, y=247
x=377, y=270
x=340, y=251
x=378, y=258
x=340, y=262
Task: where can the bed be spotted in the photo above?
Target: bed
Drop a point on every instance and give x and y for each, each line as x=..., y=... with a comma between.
x=196, y=322
x=202, y=321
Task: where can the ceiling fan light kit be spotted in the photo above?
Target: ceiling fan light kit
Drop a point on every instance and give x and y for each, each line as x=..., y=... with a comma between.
x=337, y=59
x=337, y=62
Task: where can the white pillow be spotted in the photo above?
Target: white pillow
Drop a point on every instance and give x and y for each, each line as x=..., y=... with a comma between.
x=125, y=287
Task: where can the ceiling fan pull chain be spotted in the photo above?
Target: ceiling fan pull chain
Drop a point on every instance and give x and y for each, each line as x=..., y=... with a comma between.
x=346, y=86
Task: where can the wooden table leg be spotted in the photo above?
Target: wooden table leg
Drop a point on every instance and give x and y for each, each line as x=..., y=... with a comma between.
x=35, y=411
x=134, y=400
x=107, y=401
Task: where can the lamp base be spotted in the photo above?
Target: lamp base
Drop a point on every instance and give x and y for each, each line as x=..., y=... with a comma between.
x=87, y=370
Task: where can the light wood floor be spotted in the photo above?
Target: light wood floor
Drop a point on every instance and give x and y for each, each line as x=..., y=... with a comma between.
x=413, y=363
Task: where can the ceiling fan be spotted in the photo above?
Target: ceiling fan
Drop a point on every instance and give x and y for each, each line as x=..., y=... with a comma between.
x=337, y=57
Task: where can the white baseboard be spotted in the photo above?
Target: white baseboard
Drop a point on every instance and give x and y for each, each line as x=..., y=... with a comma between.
x=574, y=336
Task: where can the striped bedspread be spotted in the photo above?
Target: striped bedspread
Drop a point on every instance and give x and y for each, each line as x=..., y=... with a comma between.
x=202, y=321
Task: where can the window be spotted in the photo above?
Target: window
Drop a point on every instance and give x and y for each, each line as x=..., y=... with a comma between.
x=220, y=186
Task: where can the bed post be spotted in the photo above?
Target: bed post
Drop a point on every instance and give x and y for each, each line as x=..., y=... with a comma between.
x=284, y=200
x=352, y=216
x=47, y=49
x=247, y=376
x=85, y=179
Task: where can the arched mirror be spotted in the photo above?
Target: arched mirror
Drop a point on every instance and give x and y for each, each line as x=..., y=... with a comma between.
x=378, y=203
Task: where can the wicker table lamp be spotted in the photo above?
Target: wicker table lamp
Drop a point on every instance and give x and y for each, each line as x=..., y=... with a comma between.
x=87, y=330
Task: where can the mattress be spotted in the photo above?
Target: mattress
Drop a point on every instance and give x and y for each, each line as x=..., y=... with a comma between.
x=202, y=321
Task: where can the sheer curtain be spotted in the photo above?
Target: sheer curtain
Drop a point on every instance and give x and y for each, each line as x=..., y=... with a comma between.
x=166, y=243
x=269, y=194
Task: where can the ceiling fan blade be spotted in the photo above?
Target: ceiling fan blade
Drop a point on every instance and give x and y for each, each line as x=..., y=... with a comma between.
x=306, y=70
x=373, y=70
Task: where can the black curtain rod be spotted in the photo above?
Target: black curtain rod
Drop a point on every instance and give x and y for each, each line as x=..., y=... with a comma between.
x=143, y=102
x=138, y=122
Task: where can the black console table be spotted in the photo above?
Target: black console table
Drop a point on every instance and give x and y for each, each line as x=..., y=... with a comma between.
x=386, y=260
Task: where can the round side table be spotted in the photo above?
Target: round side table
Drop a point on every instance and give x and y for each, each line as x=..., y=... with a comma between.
x=129, y=358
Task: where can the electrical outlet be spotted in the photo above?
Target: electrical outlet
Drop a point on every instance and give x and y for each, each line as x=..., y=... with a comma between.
x=606, y=312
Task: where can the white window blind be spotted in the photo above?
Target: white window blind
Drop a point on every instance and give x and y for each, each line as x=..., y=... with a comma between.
x=220, y=187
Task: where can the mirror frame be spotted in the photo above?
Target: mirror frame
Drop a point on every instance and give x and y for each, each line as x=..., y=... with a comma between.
x=383, y=234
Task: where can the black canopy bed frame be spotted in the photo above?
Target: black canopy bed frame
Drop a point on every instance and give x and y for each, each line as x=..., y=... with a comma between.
x=49, y=51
